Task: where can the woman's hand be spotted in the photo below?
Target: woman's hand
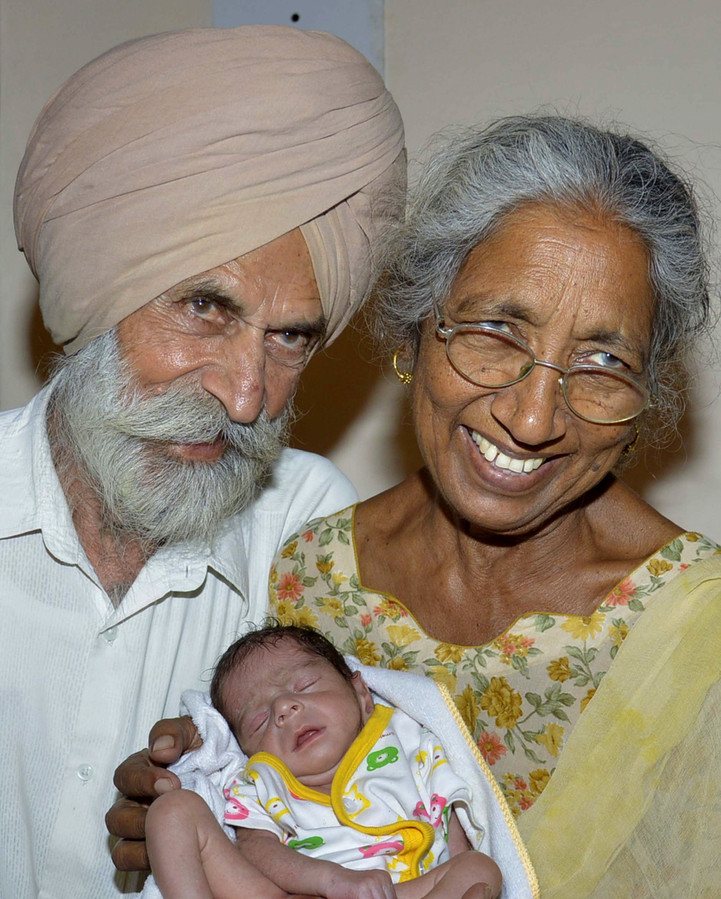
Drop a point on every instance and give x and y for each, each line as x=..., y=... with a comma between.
x=142, y=777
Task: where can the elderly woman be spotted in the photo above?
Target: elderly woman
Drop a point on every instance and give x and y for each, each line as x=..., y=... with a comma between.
x=541, y=294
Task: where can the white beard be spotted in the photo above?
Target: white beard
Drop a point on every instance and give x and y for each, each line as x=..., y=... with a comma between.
x=102, y=429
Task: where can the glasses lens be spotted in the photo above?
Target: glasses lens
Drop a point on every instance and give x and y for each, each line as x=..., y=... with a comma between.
x=603, y=396
x=488, y=358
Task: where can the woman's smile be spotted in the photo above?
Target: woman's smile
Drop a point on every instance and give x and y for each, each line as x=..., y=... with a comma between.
x=498, y=472
x=491, y=453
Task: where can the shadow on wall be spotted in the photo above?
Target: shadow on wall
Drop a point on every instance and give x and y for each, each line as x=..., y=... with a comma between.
x=653, y=465
x=334, y=388
x=40, y=344
x=350, y=404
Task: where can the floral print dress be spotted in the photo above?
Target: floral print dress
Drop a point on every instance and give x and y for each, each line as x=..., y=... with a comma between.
x=520, y=694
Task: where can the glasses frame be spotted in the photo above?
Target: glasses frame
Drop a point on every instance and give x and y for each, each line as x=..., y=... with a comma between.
x=447, y=334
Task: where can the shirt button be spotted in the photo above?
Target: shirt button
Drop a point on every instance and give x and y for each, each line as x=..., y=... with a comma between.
x=110, y=635
x=85, y=772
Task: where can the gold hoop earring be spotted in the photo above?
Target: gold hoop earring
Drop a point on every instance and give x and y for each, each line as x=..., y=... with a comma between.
x=405, y=377
x=630, y=447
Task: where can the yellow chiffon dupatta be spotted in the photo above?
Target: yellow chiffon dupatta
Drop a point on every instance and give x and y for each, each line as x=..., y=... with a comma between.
x=634, y=806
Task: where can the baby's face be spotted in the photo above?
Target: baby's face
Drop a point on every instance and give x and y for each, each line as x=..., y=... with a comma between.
x=289, y=702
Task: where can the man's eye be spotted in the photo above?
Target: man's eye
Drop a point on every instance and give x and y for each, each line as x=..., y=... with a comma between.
x=203, y=306
x=290, y=347
x=292, y=339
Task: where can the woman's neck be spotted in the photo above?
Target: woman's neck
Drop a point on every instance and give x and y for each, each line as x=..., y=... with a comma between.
x=466, y=585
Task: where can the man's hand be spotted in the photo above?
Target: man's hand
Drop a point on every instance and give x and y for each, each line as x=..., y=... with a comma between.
x=345, y=884
x=141, y=778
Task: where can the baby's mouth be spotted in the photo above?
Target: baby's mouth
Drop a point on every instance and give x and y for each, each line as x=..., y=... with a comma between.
x=304, y=735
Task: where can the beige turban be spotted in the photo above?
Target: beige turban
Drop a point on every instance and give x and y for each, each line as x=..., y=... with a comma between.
x=175, y=153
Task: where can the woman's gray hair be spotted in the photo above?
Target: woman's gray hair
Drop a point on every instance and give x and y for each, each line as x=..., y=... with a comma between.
x=477, y=177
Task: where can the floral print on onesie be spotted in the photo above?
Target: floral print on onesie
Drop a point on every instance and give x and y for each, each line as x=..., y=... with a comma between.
x=389, y=805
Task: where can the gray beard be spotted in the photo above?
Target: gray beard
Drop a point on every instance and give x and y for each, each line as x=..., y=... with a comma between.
x=105, y=432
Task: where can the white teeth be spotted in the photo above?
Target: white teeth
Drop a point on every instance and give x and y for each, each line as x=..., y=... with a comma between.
x=501, y=460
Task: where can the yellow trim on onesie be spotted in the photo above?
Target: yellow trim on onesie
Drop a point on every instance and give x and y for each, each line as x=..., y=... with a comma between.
x=418, y=836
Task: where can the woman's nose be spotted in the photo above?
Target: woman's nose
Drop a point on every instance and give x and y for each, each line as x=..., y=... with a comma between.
x=533, y=411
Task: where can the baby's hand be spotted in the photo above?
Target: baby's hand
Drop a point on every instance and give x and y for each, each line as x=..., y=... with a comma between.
x=345, y=884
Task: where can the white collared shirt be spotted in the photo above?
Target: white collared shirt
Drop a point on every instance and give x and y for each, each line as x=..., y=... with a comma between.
x=82, y=682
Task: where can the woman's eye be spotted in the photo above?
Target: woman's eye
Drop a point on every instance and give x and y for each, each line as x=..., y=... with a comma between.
x=605, y=360
x=496, y=326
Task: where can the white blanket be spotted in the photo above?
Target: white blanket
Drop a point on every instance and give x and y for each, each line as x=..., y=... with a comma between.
x=207, y=769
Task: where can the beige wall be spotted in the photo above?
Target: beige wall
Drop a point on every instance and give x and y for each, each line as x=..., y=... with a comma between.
x=650, y=64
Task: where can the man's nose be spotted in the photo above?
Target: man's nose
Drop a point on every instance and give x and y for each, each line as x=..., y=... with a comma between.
x=533, y=411
x=236, y=376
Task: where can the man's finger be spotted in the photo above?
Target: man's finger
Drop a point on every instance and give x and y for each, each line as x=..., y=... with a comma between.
x=171, y=737
x=129, y=855
x=138, y=777
x=127, y=819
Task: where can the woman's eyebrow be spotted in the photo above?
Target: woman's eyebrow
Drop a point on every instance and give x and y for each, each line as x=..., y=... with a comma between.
x=516, y=310
x=485, y=307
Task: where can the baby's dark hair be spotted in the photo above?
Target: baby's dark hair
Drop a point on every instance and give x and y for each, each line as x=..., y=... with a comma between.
x=308, y=639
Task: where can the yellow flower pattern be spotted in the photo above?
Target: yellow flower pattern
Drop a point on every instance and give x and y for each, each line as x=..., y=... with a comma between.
x=559, y=669
x=448, y=652
x=289, y=549
x=403, y=634
x=551, y=738
x=468, y=706
x=502, y=703
x=581, y=627
x=659, y=567
x=331, y=605
x=522, y=693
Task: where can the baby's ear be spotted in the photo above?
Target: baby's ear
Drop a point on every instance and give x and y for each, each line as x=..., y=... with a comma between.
x=365, y=700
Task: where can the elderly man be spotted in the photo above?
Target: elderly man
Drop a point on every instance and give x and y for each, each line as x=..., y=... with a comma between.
x=202, y=211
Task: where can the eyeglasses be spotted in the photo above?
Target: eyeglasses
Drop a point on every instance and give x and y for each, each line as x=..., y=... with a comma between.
x=489, y=357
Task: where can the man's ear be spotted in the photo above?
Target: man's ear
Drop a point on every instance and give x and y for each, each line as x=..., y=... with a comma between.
x=365, y=700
